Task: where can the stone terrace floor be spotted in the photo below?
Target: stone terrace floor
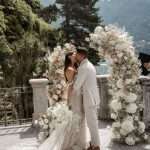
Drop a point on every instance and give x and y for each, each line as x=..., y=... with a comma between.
x=27, y=135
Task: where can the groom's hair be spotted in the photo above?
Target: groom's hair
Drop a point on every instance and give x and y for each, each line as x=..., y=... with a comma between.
x=82, y=50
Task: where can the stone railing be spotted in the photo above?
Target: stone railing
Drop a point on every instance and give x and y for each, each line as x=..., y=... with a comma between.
x=145, y=83
x=40, y=97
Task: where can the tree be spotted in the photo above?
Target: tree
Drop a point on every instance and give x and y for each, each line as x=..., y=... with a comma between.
x=79, y=19
x=25, y=38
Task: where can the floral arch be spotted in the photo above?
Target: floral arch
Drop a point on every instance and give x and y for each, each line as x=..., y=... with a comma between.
x=116, y=45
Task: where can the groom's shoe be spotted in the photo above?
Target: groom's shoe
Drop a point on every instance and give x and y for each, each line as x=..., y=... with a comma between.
x=93, y=147
x=96, y=148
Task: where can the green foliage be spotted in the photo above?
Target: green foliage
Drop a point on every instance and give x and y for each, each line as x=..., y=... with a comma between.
x=23, y=41
x=49, y=13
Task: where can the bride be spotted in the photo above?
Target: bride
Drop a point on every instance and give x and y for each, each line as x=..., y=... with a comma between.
x=64, y=139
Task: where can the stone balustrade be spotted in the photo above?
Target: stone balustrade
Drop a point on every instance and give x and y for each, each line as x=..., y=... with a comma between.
x=145, y=83
x=40, y=97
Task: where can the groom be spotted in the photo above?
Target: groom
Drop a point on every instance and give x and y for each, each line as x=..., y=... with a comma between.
x=86, y=85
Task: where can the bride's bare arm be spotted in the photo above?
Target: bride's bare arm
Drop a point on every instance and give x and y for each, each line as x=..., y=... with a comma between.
x=70, y=73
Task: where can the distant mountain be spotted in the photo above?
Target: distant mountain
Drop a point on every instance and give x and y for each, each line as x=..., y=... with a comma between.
x=134, y=15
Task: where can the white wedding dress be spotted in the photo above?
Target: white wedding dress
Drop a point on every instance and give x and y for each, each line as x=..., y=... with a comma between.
x=64, y=137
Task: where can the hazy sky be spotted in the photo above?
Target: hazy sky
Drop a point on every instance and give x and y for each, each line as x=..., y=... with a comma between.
x=46, y=2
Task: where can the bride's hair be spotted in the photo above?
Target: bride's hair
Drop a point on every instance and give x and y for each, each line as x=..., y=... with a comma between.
x=68, y=62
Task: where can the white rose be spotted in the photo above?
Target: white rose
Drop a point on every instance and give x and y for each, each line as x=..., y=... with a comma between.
x=59, y=86
x=46, y=121
x=136, y=118
x=131, y=108
x=115, y=105
x=113, y=116
x=87, y=39
x=98, y=30
x=131, y=97
x=120, y=83
x=123, y=132
x=55, y=97
x=58, y=92
x=67, y=46
x=62, y=82
x=41, y=123
x=127, y=126
x=128, y=81
x=130, y=140
x=120, y=55
x=94, y=37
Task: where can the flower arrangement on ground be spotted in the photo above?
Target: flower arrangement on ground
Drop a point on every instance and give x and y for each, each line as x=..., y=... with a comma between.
x=116, y=45
x=57, y=116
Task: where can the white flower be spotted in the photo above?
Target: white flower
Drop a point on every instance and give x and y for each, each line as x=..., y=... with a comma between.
x=87, y=39
x=58, y=92
x=67, y=45
x=115, y=105
x=136, y=118
x=123, y=132
x=55, y=97
x=59, y=86
x=131, y=97
x=41, y=123
x=46, y=121
x=131, y=108
x=130, y=140
x=98, y=30
x=128, y=81
x=120, y=55
x=94, y=37
x=113, y=116
x=141, y=128
x=62, y=82
x=120, y=83
x=127, y=126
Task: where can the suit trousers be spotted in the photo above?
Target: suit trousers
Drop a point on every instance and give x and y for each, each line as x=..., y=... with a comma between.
x=92, y=121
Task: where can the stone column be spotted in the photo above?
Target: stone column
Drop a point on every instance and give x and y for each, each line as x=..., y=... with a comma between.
x=40, y=96
x=145, y=83
x=104, y=111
